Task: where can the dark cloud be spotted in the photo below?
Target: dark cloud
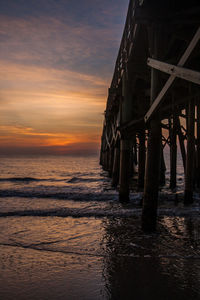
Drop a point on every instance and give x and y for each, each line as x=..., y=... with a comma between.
x=95, y=12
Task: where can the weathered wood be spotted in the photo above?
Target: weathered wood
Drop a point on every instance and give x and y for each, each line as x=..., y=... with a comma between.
x=116, y=166
x=152, y=175
x=124, y=170
x=102, y=146
x=181, y=141
x=125, y=144
x=133, y=154
x=106, y=160
x=152, y=171
x=141, y=158
x=135, y=158
x=198, y=146
x=111, y=160
x=189, y=175
x=173, y=152
x=107, y=139
x=171, y=79
x=162, y=168
x=103, y=159
x=180, y=72
x=134, y=125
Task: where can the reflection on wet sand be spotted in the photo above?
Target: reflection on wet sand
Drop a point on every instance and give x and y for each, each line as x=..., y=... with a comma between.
x=159, y=266
x=99, y=258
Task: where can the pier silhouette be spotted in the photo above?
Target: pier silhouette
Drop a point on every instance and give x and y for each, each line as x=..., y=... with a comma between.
x=153, y=101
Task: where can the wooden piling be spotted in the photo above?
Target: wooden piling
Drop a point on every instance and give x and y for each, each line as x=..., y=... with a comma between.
x=189, y=175
x=152, y=174
x=198, y=146
x=111, y=160
x=106, y=160
x=141, y=158
x=152, y=170
x=102, y=158
x=173, y=152
x=181, y=142
x=124, y=170
x=152, y=43
x=162, y=168
x=116, y=166
x=125, y=143
x=133, y=154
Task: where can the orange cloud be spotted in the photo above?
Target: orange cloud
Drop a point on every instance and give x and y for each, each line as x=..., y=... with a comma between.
x=25, y=139
x=52, y=92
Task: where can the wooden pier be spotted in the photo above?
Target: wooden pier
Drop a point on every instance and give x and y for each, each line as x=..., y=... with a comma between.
x=154, y=101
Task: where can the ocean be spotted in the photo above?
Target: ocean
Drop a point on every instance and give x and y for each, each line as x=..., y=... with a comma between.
x=65, y=235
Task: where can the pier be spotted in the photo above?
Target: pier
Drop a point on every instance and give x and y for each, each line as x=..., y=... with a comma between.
x=154, y=101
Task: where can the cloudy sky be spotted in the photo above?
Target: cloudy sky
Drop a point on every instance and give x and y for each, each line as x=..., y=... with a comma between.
x=57, y=58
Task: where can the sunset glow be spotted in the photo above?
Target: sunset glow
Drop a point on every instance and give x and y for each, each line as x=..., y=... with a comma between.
x=56, y=62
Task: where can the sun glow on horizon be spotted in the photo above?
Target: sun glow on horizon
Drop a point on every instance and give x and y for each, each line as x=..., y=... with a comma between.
x=54, y=76
x=36, y=114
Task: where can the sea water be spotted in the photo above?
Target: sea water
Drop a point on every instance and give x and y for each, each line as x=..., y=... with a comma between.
x=64, y=235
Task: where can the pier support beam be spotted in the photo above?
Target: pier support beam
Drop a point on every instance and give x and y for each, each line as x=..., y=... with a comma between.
x=181, y=142
x=133, y=157
x=152, y=170
x=125, y=143
x=162, y=167
x=106, y=160
x=141, y=158
x=111, y=160
x=173, y=152
x=189, y=175
x=103, y=158
x=124, y=170
x=116, y=166
x=152, y=175
x=198, y=145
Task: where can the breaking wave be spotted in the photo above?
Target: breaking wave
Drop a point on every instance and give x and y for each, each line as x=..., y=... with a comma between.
x=78, y=180
x=60, y=195
x=99, y=213
x=32, y=179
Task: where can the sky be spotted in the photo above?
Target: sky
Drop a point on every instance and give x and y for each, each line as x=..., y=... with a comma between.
x=57, y=59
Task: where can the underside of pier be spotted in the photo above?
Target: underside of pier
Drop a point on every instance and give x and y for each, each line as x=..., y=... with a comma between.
x=154, y=101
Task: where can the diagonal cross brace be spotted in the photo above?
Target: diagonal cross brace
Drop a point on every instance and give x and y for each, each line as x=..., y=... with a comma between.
x=171, y=79
x=180, y=72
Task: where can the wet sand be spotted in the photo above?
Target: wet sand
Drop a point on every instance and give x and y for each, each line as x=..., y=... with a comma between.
x=99, y=258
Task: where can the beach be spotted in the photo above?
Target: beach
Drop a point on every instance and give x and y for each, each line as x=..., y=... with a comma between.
x=64, y=235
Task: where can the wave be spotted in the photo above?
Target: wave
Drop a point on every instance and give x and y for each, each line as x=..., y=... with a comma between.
x=67, y=213
x=28, y=179
x=60, y=195
x=32, y=179
x=85, y=194
x=21, y=179
x=100, y=213
x=78, y=180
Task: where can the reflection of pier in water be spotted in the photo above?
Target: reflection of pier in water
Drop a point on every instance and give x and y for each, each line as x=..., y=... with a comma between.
x=153, y=100
x=158, y=266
